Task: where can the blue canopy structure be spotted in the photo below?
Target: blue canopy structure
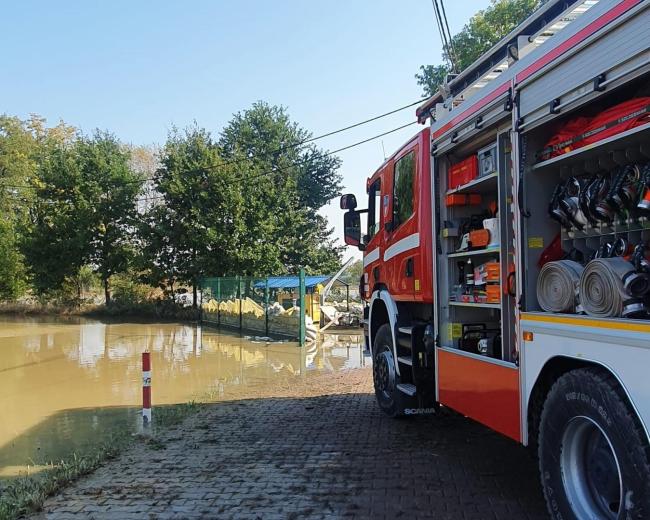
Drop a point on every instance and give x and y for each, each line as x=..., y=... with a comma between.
x=292, y=282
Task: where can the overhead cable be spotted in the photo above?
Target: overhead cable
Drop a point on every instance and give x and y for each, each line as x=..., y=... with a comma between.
x=268, y=172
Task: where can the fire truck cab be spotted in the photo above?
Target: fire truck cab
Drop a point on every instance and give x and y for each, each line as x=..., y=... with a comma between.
x=506, y=265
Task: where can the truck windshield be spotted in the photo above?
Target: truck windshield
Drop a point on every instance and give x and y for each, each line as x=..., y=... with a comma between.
x=374, y=208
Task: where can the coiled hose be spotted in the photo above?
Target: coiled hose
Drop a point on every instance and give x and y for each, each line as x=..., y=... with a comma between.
x=557, y=285
x=602, y=293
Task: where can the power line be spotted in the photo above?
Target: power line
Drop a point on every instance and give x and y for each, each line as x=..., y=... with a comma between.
x=441, y=32
x=318, y=137
x=293, y=145
x=265, y=173
x=451, y=40
x=445, y=33
x=358, y=143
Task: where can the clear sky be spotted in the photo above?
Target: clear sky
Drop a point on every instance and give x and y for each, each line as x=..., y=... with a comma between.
x=138, y=67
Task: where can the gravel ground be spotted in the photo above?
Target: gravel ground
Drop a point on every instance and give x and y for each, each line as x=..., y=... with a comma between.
x=316, y=447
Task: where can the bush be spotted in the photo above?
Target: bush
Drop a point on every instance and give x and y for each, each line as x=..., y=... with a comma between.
x=127, y=290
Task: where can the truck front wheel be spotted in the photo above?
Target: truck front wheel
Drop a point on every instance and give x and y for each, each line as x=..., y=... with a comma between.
x=384, y=375
x=593, y=453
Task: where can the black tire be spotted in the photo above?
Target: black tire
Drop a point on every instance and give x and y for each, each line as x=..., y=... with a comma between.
x=384, y=376
x=593, y=452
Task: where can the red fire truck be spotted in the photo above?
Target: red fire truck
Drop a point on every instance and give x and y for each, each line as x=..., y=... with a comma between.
x=506, y=269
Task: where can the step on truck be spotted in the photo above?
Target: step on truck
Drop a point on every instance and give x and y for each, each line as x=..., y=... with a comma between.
x=505, y=253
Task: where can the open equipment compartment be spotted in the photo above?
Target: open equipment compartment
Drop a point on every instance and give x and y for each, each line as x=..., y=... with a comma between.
x=586, y=198
x=474, y=247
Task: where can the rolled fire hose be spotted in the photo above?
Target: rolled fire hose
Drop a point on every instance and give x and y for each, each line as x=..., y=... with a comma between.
x=557, y=286
x=602, y=293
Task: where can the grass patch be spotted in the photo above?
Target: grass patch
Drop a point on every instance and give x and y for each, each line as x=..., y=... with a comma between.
x=23, y=495
x=166, y=416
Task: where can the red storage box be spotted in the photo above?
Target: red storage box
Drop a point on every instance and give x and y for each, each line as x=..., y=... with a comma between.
x=463, y=172
x=463, y=199
x=479, y=238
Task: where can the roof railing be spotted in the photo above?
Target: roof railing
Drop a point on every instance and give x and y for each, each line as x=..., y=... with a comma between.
x=543, y=24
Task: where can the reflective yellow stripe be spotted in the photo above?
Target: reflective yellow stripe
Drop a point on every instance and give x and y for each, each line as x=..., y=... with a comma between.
x=587, y=322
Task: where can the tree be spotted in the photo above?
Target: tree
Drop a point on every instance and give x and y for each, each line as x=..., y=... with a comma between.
x=109, y=191
x=353, y=273
x=197, y=227
x=484, y=30
x=57, y=242
x=12, y=268
x=144, y=160
x=84, y=212
x=160, y=256
x=18, y=150
x=285, y=183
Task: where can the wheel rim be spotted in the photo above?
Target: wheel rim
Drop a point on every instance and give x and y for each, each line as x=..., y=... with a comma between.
x=384, y=374
x=590, y=470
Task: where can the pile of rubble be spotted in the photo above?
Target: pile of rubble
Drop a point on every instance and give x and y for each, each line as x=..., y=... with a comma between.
x=338, y=313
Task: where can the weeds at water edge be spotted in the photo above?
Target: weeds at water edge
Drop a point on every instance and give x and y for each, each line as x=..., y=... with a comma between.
x=26, y=494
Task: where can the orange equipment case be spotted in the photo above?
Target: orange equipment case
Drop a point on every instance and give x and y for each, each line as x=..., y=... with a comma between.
x=463, y=172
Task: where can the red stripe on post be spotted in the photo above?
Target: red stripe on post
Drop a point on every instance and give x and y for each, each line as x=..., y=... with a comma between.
x=146, y=387
x=146, y=361
x=146, y=397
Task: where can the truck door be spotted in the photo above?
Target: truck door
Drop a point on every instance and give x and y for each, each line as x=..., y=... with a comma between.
x=402, y=240
x=373, y=237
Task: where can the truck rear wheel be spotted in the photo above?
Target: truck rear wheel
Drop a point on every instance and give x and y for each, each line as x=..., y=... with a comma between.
x=384, y=375
x=593, y=453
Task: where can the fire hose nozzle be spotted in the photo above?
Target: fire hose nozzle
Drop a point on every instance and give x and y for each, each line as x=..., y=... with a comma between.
x=634, y=308
x=636, y=284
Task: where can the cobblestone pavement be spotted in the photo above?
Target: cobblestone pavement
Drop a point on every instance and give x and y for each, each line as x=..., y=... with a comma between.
x=313, y=450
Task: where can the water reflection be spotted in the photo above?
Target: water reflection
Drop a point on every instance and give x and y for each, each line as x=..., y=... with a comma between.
x=67, y=383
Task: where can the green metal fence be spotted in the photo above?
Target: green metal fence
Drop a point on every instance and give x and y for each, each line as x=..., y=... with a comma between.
x=250, y=304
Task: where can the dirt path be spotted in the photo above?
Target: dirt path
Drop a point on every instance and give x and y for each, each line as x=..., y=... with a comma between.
x=312, y=448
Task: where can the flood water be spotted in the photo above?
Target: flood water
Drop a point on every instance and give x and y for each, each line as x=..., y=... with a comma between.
x=68, y=383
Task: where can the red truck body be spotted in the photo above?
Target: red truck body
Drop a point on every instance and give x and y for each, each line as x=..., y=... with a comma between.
x=568, y=381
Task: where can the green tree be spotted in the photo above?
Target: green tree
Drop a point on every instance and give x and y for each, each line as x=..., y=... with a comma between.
x=160, y=259
x=12, y=268
x=484, y=30
x=85, y=211
x=353, y=273
x=18, y=151
x=57, y=242
x=284, y=182
x=197, y=227
x=109, y=191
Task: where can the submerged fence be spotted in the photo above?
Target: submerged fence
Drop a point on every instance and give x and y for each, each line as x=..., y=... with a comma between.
x=269, y=306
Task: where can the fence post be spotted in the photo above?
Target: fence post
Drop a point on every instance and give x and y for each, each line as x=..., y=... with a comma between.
x=302, y=307
x=219, y=302
x=266, y=305
x=239, y=295
x=200, y=300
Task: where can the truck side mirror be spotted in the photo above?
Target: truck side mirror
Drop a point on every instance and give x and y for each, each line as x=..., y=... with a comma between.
x=352, y=229
x=348, y=201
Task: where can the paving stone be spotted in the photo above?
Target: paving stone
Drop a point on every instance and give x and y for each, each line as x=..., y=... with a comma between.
x=313, y=456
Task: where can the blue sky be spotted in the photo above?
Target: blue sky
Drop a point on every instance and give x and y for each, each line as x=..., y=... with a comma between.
x=138, y=67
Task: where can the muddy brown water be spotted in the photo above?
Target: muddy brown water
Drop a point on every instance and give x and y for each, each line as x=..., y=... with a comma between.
x=68, y=383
